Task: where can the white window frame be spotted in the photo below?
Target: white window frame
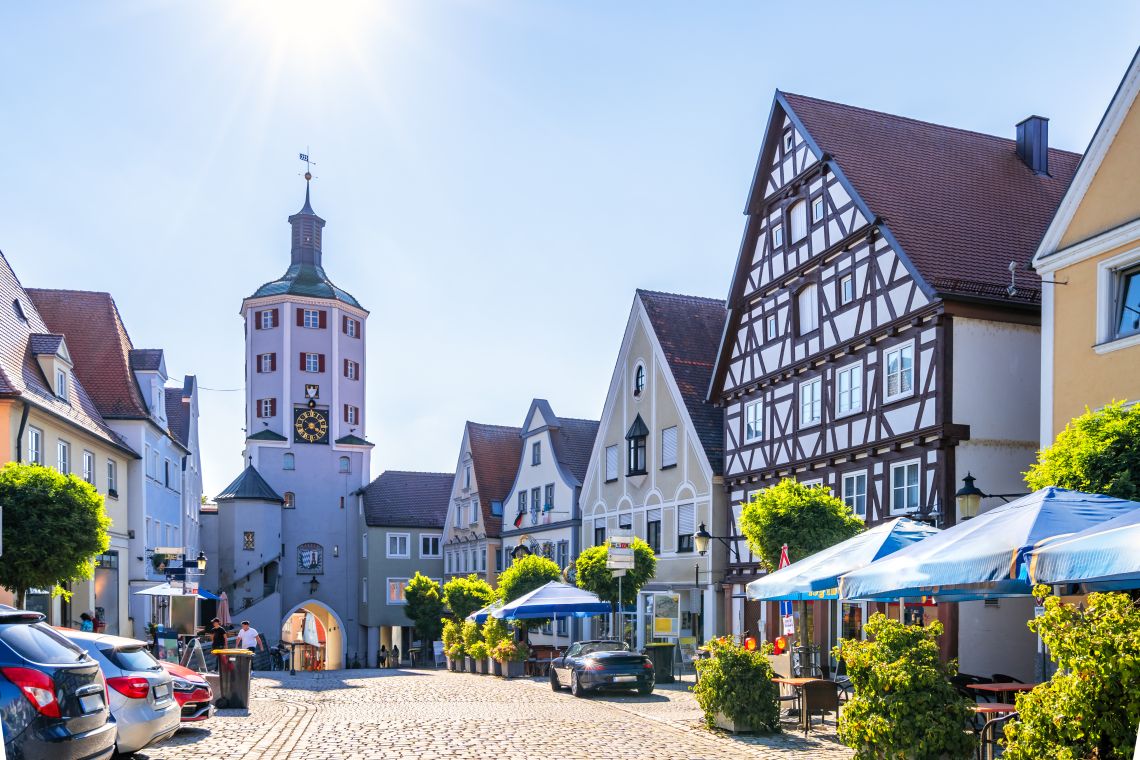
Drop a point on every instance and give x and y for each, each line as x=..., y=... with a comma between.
x=917, y=465
x=63, y=457
x=388, y=591
x=777, y=235
x=854, y=370
x=813, y=404
x=771, y=327
x=61, y=384
x=676, y=444
x=438, y=546
x=350, y=414
x=819, y=202
x=353, y=373
x=112, y=477
x=612, y=457
x=849, y=500
x=754, y=423
x=807, y=312
x=265, y=362
x=789, y=141
x=266, y=409
x=344, y=464
x=89, y=466
x=473, y=517
x=389, y=554
x=311, y=319
x=351, y=329
x=266, y=319
x=798, y=220
x=844, y=298
x=312, y=362
x=900, y=348
x=35, y=445
x=1109, y=275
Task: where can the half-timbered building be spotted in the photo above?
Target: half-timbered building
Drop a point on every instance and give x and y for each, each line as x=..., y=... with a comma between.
x=883, y=329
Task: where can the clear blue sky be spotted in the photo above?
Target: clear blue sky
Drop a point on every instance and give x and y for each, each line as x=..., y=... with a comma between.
x=497, y=176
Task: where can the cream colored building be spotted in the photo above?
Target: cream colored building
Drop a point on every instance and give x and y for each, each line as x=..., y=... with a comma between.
x=1089, y=259
x=656, y=468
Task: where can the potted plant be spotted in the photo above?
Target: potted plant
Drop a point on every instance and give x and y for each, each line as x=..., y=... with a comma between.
x=735, y=689
x=451, y=639
x=511, y=656
x=494, y=632
x=471, y=636
x=479, y=655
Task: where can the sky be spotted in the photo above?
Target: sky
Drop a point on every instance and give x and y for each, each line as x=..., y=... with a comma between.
x=498, y=177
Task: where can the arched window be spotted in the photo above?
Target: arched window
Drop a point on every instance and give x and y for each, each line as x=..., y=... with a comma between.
x=288, y=462
x=290, y=500
x=344, y=464
x=639, y=380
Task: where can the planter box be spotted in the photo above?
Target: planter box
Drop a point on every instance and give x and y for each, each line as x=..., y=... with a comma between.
x=450, y=664
x=481, y=667
x=470, y=663
x=728, y=724
x=496, y=668
x=512, y=669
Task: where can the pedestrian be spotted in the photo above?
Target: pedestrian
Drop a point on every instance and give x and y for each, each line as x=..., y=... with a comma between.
x=382, y=656
x=395, y=656
x=87, y=622
x=247, y=637
x=217, y=634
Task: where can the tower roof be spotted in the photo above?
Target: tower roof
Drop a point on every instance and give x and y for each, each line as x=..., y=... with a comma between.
x=249, y=486
x=305, y=275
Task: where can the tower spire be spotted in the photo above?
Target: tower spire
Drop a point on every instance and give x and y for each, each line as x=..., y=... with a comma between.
x=306, y=225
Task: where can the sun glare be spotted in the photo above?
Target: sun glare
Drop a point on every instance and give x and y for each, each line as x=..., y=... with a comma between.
x=306, y=30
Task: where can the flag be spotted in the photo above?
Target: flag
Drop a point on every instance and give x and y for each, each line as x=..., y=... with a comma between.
x=518, y=519
x=304, y=156
x=785, y=607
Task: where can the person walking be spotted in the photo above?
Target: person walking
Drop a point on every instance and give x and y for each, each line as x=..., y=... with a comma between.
x=87, y=622
x=395, y=656
x=247, y=637
x=382, y=657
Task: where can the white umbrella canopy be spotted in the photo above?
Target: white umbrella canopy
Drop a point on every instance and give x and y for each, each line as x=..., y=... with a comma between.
x=166, y=589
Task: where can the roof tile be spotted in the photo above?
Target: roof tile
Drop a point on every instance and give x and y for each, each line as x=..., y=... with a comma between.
x=496, y=451
x=408, y=499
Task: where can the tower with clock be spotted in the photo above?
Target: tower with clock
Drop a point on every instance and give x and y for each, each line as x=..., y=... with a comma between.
x=305, y=441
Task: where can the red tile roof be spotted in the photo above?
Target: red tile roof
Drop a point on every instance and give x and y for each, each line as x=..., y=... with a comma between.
x=408, y=499
x=100, y=345
x=961, y=204
x=496, y=451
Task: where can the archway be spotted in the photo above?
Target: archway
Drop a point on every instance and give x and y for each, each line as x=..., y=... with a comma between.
x=320, y=640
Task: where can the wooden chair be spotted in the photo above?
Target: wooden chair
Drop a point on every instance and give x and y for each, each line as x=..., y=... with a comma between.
x=820, y=696
x=991, y=733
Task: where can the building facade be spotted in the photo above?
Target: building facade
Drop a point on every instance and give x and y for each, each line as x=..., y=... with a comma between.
x=1090, y=261
x=656, y=468
x=882, y=335
x=402, y=534
x=305, y=438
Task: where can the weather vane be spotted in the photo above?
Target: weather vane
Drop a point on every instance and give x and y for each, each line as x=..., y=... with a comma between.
x=308, y=164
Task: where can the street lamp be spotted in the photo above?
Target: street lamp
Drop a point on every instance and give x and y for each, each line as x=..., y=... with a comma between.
x=969, y=497
x=702, y=538
x=201, y=560
x=314, y=584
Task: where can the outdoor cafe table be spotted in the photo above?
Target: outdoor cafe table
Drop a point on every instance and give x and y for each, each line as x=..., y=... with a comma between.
x=798, y=684
x=1005, y=689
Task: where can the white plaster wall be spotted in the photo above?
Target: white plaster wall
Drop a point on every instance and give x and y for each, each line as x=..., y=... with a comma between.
x=996, y=376
x=996, y=639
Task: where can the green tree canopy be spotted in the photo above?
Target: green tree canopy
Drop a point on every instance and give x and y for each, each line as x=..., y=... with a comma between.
x=592, y=574
x=806, y=518
x=54, y=527
x=1098, y=452
x=525, y=575
x=465, y=595
x=424, y=607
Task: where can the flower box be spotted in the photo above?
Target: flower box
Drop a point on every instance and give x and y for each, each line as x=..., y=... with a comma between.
x=512, y=669
x=481, y=666
x=496, y=667
x=728, y=724
x=469, y=662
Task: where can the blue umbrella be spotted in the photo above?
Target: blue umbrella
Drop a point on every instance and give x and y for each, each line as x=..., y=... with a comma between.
x=480, y=616
x=817, y=576
x=555, y=599
x=983, y=557
x=1105, y=556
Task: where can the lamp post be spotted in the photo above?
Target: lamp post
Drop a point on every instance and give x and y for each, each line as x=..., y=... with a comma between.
x=969, y=497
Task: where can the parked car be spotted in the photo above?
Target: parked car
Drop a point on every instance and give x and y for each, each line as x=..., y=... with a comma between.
x=140, y=691
x=601, y=665
x=52, y=694
x=191, y=691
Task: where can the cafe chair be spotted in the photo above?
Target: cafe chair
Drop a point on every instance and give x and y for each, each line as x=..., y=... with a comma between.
x=1003, y=678
x=991, y=735
x=821, y=697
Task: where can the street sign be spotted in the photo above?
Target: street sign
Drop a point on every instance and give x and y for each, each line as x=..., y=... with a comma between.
x=169, y=550
x=619, y=555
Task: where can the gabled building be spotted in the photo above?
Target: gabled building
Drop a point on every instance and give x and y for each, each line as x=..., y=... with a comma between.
x=402, y=529
x=883, y=327
x=1090, y=260
x=656, y=468
x=53, y=420
x=128, y=387
x=488, y=460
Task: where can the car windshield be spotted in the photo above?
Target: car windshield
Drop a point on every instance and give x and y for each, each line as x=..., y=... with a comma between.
x=602, y=646
x=39, y=643
x=135, y=658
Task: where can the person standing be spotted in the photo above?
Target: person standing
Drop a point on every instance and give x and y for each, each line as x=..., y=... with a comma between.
x=217, y=634
x=382, y=659
x=395, y=656
x=247, y=637
x=86, y=622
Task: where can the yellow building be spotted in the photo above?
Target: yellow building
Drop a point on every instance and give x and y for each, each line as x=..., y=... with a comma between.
x=1089, y=259
x=50, y=419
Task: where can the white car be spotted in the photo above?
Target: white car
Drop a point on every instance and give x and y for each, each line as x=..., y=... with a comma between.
x=141, y=692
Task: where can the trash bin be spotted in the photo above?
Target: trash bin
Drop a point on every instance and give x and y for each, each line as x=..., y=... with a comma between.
x=661, y=655
x=234, y=670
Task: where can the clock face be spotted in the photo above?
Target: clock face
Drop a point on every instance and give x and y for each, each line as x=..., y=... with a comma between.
x=310, y=426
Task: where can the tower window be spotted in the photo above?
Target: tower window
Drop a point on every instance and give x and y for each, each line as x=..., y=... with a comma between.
x=351, y=414
x=290, y=500
x=267, y=362
x=350, y=327
x=266, y=320
x=351, y=369
x=288, y=462
x=312, y=362
x=345, y=465
x=267, y=407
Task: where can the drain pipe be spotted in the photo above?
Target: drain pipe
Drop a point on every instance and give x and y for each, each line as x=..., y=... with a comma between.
x=20, y=433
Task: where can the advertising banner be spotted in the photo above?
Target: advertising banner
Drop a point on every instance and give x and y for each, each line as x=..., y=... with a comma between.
x=666, y=615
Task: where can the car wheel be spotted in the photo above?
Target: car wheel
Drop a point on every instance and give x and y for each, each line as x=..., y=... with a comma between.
x=554, y=681
x=644, y=690
x=576, y=685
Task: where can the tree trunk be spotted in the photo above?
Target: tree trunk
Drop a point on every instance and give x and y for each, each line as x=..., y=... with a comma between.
x=20, y=594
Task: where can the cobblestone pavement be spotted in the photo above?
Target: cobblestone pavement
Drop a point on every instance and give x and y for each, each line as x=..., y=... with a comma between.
x=347, y=715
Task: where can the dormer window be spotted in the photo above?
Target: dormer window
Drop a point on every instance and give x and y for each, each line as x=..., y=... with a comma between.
x=639, y=380
x=635, y=447
x=16, y=307
x=61, y=384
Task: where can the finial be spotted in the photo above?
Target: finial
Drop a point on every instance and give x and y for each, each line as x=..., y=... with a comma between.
x=308, y=175
x=250, y=458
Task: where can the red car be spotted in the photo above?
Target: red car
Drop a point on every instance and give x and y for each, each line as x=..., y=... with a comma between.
x=192, y=692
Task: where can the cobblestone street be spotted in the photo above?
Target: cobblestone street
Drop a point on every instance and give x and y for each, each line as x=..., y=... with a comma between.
x=437, y=714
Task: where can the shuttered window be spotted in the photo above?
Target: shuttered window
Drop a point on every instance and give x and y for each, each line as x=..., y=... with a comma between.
x=611, y=463
x=350, y=327
x=267, y=362
x=266, y=319
x=267, y=407
x=686, y=526
x=669, y=447
x=312, y=362
x=807, y=310
x=351, y=414
x=798, y=216
x=312, y=318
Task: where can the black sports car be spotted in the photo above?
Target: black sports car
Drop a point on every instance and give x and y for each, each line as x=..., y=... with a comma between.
x=601, y=665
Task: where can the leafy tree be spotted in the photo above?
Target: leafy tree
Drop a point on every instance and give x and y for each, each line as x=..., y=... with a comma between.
x=1091, y=706
x=525, y=575
x=738, y=682
x=424, y=607
x=903, y=703
x=593, y=575
x=466, y=595
x=1098, y=452
x=54, y=527
x=806, y=518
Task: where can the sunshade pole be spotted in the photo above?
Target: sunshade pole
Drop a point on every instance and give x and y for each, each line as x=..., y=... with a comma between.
x=902, y=609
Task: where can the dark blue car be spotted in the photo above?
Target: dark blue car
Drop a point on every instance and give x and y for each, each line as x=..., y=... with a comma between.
x=53, y=701
x=601, y=666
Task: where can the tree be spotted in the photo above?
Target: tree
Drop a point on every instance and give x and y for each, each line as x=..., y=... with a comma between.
x=54, y=527
x=525, y=575
x=466, y=595
x=424, y=607
x=1098, y=452
x=592, y=574
x=1091, y=706
x=806, y=518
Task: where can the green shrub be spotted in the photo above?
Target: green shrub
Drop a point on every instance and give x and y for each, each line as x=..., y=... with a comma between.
x=806, y=518
x=525, y=575
x=494, y=631
x=1098, y=452
x=903, y=704
x=738, y=683
x=452, y=640
x=478, y=650
x=591, y=573
x=466, y=595
x=1092, y=706
x=471, y=636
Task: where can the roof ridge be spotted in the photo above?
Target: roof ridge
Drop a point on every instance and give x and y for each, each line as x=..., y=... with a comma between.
x=498, y=427
x=645, y=291
x=72, y=290
x=913, y=120
x=579, y=419
x=413, y=472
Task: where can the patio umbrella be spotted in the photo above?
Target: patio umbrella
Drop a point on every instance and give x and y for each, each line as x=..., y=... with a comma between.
x=817, y=576
x=480, y=616
x=166, y=589
x=553, y=600
x=223, y=612
x=1105, y=556
x=982, y=558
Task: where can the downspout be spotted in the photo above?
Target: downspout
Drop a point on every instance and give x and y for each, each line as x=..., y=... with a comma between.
x=20, y=432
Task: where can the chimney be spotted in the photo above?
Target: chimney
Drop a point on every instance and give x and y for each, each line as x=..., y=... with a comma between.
x=1033, y=143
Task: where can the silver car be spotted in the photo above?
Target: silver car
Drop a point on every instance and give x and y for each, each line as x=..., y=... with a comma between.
x=140, y=690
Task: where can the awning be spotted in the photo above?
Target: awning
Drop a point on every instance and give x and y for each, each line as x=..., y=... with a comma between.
x=817, y=576
x=553, y=599
x=1105, y=556
x=480, y=616
x=982, y=558
x=167, y=589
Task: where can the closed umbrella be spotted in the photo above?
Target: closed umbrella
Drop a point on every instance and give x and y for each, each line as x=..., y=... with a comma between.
x=1105, y=556
x=223, y=612
x=983, y=557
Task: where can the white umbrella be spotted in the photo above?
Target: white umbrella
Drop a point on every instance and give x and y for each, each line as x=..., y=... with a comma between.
x=223, y=612
x=166, y=589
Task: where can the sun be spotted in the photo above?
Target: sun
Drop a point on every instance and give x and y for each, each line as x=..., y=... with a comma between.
x=308, y=31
